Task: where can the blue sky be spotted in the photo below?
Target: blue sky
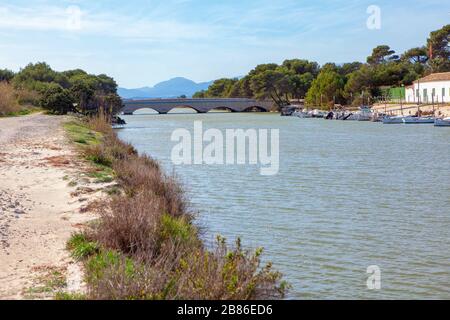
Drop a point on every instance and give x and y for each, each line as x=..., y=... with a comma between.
x=143, y=42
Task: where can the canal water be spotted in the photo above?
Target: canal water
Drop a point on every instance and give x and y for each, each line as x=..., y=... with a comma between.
x=348, y=195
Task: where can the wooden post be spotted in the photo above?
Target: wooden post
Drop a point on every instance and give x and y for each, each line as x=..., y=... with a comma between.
x=401, y=105
x=432, y=101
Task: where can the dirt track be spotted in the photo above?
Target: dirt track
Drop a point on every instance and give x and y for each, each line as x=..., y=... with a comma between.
x=38, y=207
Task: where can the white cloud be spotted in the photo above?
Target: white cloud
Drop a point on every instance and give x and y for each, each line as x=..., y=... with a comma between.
x=48, y=18
x=74, y=19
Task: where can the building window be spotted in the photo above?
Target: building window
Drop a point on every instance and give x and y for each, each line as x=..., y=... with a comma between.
x=443, y=92
x=433, y=92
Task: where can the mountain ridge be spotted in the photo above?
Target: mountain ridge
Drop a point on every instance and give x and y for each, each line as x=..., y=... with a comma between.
x=171, y=88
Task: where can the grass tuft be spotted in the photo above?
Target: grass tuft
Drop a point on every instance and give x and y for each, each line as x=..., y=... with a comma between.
x=70, y=296
x=81, y=247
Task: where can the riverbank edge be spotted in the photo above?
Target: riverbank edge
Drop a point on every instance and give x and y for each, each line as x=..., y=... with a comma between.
x=91, y=138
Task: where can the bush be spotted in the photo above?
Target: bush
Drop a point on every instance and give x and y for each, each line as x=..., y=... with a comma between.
x=57, y=100
x=6, y=75
x=178, y=273
x=8, y=100
x=131, y=225
x=227, y=274
x=98, y=155
x=142, y=173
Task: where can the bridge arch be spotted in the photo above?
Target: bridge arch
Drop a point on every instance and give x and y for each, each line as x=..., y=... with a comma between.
x=186, y=107
x=229, y=109
x=255, y=109
x=144, y=110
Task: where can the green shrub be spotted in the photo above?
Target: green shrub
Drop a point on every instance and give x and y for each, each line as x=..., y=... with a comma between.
x=70, y=296
x=81, y=247
x=56, y=99
x=177, y=229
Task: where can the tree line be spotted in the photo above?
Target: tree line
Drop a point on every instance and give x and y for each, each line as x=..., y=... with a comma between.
x=61, y=92
x=347, y=84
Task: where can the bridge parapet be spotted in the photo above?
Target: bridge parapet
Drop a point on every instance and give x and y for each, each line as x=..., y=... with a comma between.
x=200, y=105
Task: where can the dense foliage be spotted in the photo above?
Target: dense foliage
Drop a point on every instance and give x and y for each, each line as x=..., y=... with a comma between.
x=348, y=83
x=61, y=92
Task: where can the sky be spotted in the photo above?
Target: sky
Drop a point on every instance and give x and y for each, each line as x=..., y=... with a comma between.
x=143, y=42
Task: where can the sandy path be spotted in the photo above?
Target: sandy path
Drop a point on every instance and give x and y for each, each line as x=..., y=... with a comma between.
x=37, y=211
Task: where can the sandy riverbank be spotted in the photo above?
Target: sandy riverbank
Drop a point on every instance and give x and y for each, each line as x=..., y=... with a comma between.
x=42, y=194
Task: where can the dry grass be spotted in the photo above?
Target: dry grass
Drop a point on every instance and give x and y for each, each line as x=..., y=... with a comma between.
x=58, y=161
x=100, y=123
x=8, y=100
x=131, y=224
x=148, y=246
x=140, y=174
x=28, y=97
x=49, y=281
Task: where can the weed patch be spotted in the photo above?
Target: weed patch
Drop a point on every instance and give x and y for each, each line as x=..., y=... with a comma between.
x=81, y=247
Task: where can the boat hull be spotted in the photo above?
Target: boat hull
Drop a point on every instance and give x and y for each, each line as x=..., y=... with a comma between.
x=300, y=114
x=418, y=120
x=442, y=122
x=393, y=120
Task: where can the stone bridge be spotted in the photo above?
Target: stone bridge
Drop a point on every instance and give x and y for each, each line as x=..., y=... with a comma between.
x=163, y=106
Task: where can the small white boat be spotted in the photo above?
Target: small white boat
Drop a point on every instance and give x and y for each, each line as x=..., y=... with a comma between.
x=442, y=122
x=393, y=119
x=318, y=114
x=364, y=114
x=418, y=120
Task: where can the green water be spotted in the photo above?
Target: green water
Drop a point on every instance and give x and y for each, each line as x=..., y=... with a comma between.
x=348, y=195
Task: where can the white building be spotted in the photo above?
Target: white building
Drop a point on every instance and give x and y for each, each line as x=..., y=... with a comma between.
x=433, y=88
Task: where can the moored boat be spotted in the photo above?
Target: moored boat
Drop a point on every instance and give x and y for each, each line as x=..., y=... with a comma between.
x=393, y=119
x=442, y=122
x=364, y=114
x=418, y=120
x=318, y=113
x=301, y=114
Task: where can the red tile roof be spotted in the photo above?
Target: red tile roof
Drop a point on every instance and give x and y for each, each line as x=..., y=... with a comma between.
x=443, y=76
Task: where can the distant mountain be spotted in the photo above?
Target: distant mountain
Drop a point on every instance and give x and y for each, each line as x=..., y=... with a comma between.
x=172, y=88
